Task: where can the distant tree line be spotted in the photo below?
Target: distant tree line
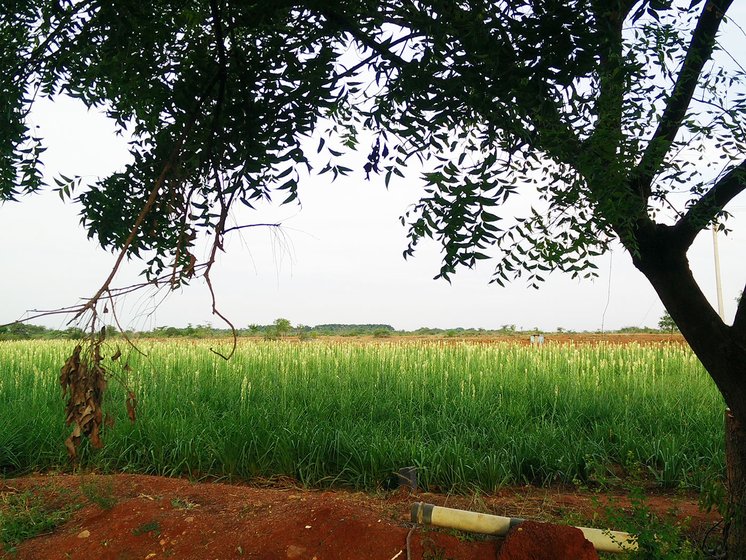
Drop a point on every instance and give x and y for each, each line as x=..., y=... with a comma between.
x=27, y=331
x=281, y=328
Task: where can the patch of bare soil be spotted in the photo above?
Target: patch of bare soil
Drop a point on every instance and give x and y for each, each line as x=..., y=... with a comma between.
x=518, y=338
x=123, y=517
x=573, y=338
x=128, y=517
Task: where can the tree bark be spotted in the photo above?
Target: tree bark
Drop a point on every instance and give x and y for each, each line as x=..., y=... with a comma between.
x=720, y=348
x=735, y=458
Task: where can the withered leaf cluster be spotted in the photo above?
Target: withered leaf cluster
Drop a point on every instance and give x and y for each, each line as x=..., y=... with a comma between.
x=83, y=379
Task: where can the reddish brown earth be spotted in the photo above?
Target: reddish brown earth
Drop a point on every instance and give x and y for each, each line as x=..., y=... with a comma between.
x=521, y=338
x=549, y=338
x=147, y=517
x=592, y=338
x=542, y=541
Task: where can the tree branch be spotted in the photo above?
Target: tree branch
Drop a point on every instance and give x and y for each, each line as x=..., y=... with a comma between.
x=601, y=146
x=710, y=204
x=348, y=25
x=699, y=52
x=218, y=244
x=152, y=197
x=234, y=228
x=368, y=60
x=91, y=303
x=217, y=26
x=36, y=58
x=491, y=53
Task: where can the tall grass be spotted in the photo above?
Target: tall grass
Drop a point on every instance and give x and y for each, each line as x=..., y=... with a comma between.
x=467, y=415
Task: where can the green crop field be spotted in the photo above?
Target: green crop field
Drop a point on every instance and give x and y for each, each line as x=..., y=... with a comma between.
x=469, y=416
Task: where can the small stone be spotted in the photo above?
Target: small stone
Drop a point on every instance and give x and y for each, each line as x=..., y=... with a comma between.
x=84, y=534
x=308, y=526
x=189, y=519
x=294, y=551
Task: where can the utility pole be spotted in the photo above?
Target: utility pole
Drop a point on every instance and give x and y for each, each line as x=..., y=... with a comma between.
x=718, y=282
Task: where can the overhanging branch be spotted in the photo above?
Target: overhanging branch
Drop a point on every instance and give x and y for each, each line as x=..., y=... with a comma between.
x=346, y=24
x=712, y=202
x=602, y=146
x=491, y=51
x=699, y=52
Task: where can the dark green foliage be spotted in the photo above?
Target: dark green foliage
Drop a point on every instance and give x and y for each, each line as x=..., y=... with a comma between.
x=636, y=330
x=21, y=331
x=217, y=96
x=659, y=537
x=149, y=527
x=666, y=323
x=341, y=329
x=491, y=96
x=99, y=492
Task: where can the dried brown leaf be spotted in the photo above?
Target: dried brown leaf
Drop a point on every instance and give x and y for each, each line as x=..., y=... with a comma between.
x=71, y=446
x=83, y=379
x=131, y=405
x=95, y=436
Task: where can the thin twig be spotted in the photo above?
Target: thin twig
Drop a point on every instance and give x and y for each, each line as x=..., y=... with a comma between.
x=121, y=330
x=130, y=238
x=217, y=244
x=234, y=228
x=112, y=292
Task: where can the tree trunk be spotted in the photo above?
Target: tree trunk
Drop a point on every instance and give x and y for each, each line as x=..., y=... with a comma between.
x=735, y=458
x=720, y=348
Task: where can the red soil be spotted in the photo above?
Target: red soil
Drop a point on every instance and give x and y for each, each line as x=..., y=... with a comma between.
x=152, y=518
x=544, y=541
x=554, y=338
x=520, y=338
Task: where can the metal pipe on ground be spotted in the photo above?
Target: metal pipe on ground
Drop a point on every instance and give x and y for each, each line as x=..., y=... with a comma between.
x=429, y=514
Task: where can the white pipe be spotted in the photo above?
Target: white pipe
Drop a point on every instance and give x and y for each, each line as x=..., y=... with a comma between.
x=428, y=514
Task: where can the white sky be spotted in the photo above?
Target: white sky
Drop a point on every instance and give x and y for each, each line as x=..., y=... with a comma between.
x=339, y=260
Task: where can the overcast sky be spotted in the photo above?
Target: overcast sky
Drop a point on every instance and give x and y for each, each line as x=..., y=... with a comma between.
x=338, y=258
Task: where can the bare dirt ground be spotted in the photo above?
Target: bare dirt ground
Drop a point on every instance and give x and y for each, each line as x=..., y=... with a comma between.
x=520, y=338
x=486, y=338
x=593, y=338
x=123, y=517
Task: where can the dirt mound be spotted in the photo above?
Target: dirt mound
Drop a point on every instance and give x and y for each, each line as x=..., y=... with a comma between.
x=545, y=541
